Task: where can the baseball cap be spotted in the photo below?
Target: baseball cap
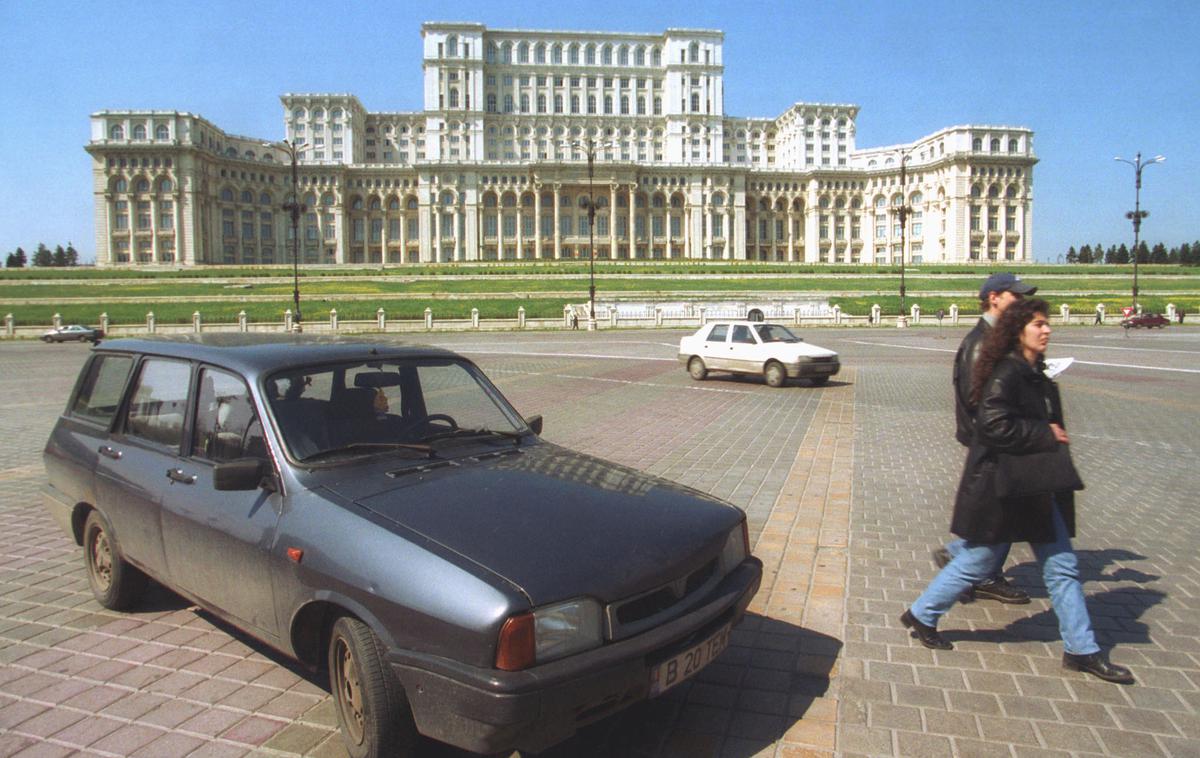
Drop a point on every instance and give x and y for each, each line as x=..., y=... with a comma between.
x=1005, y=281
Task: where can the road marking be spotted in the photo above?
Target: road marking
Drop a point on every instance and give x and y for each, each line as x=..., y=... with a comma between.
x=568, y=355
x=1114, y=347
x=1082, y=363
x=610, y=380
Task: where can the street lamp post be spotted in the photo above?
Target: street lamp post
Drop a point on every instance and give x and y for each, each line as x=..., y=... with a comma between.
x=1137, y=214
x=902, y=213
x=589, y=147
x=295, y=209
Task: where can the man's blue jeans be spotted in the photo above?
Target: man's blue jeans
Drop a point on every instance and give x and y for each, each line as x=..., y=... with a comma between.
x=955, y=546
x=976, y=562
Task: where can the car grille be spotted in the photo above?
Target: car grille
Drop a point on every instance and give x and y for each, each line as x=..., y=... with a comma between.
x=824, y=359
x=636, y=614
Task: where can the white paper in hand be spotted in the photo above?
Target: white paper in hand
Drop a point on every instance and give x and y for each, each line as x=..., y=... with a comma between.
x=1056, y=366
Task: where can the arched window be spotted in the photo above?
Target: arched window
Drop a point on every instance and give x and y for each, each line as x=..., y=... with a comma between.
x=591, y=103
x=165, y=185
x=264, y=199
x=524, y=103
x=141, y=185
x=452, y=46
x=589, y=54
x=490, y=53
x=1012, y=146
x=556, y=53
x=573, y=54
x=393, y=204
x=1012, y=191
x=606, y=55
x=375, y=204
x=916, y=199
x=976, y=191
x=356, y=204
x=658, y=106
x=608, y=104
x=247, y=196
x=491, y=103
x=558, y=104
x=880, y=202
x=161, y=132
x=116, y=132
x=506, y=52
x=447, y=198
x=541, y=104
x=539, y=53
x=624, y=105
x=718, y=199
x=318, y=113
x=656, y=56
x=995, y=145
x=574, y=103
x=327, y=198
x=298, y=113
x=523, y=52
x=695, y=102
x=227, y=195
x=453, y=97
x=489, y=200
x=335, y=113
x=639, y=56
x=623, y=55
x=139, y=132
x=120, y=186
x=694, y=53
x=993, y=191
x=977, y=144
x=412, y=203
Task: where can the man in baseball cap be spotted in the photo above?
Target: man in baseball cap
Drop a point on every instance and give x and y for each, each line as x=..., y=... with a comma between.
x=1001, y=290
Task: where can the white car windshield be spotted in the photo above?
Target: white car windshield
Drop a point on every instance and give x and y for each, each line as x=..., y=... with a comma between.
x=774, y=333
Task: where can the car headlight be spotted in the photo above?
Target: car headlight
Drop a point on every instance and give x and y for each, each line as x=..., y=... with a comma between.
x=736, y=549
x=548, y=633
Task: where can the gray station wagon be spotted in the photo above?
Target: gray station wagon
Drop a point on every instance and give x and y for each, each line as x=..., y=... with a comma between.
x=382, y=511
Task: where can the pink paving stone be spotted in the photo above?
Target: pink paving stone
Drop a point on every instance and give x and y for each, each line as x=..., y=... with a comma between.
x=105, y=671
x=211, y=722
x=289, y=705
x=134, y=705
x=247, y=671
x=42, y=750
x=211, y=664
x=279, y=678
x=60, y=691
x=49, y=722
x=13, y=743
x=43, y=658
x=254, y=730
x=211, y=691
x=211, y=641
x=113, y=647
x=175, y=683
x=148, y=631
x=138, y=677
x=179, y=636
x=31, y=682
x=128, y=739
x=169, y=745
x=118, y=627
x=144, y=652
x=85, y=732
x=175, y=658
x=96, y=698
x=248, y=697
x=13, y=712
x=219, y=750
x=172, y=713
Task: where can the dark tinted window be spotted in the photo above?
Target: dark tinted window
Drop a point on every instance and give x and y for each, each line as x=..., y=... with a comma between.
x=156, y=411
x=741, y=334
x=101, y=390
x=718, y=333
x=226, y=425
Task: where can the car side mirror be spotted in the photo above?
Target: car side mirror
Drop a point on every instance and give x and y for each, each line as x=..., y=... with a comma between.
x=239, y=474
x=535, y=424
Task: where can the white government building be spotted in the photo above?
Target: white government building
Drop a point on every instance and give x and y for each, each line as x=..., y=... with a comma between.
x=495, y=168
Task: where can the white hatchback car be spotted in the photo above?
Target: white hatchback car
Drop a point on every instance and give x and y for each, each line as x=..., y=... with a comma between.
x=747, y=347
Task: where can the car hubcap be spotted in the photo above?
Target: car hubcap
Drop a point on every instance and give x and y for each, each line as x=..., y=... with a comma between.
x=349, y=691
x=102, y=560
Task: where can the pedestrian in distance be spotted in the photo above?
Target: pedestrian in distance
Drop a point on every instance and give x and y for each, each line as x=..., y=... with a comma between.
x=941, y=314
x=1098, y=321
x=1018, y=484
x=997, y=294
x=1181, y=315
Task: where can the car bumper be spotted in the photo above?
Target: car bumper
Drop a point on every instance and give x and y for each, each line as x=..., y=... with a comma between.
x=810, y=370
x=487, y=710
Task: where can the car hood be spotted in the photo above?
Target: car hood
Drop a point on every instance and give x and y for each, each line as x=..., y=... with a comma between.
x=800, y=350
x=556, y=523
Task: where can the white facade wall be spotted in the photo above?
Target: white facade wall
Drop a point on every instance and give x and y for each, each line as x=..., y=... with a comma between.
x=492, y=168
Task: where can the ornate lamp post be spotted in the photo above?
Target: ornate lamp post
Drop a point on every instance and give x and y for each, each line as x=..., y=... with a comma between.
x=295, y=209
x=902, y=213
x=1137, y=214
x=590, y=146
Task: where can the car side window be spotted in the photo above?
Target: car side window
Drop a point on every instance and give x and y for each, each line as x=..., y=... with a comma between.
x=159, y=404
x=101, y=390
x=226, y=426
x=718, y=333
x=742, y=335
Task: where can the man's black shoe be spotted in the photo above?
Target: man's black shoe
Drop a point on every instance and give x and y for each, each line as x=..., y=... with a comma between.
x=998, y=588
x=928, y=635
x=1097, y=666
x=941, y=557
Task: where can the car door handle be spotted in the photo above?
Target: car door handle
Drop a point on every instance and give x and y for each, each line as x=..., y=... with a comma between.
x=177, y=475
x=108, y=452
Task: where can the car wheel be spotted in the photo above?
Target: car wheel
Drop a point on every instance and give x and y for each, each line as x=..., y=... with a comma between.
x=116, y=584
x=46, y=339
x=371, y=707
x=775, y=374
x=819, y=380
x=697, y=369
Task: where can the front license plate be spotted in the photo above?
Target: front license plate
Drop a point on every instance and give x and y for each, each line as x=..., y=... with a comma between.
x=684, y=666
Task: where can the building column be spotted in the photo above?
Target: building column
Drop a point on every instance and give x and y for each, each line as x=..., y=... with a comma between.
x=791, y=234
x=177, y=220
x=537, y=221
x=726, y=230
x=109, y=213
x=343, y=234
x=632, y=216
x=403, y=234
x=458, y=229
x=612, y=221
x=708, y=233
x=423, y=223
x=557, y=221
x=812, y=228
x=383, y=236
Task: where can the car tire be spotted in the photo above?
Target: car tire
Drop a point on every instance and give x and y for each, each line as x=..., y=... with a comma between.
x=371, y=707
x=775, y=374
x=115, y=583
x=696, y=368
x=47, y=339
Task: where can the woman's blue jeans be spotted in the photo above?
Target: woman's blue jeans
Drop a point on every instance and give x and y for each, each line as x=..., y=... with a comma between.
x=1060, y=570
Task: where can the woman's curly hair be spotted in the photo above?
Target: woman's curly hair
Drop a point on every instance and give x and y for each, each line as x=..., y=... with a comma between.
x=1004, y=337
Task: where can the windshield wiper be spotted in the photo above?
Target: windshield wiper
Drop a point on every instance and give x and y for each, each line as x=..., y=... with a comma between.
x=424, y=449
x=463, y=434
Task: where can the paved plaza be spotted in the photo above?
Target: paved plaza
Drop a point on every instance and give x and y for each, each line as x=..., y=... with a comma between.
x=848, y=488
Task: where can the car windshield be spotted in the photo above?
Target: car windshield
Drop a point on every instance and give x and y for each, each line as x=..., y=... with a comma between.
x=775, y=333
x=417, y=408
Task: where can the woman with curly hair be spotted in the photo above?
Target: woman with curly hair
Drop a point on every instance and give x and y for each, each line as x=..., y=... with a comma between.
x=1017, y=486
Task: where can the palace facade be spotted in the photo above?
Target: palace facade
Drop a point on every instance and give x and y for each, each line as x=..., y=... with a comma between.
x=496, y=167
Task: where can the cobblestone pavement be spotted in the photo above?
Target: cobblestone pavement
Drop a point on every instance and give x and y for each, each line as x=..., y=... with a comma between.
x=847, y=488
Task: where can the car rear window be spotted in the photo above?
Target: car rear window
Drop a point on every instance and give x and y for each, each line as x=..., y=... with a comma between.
x=102, y=387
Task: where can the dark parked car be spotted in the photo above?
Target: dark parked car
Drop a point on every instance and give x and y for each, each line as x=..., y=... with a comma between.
x=1147, y=320
x=73, y=333
x=382, y=510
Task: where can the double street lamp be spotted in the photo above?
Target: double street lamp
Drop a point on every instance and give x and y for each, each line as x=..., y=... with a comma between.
x=1137, y=214
x=295, y=209
x=590, y=146
x=903, y=211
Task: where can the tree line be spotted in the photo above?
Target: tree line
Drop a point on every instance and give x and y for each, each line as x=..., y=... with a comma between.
x=1185, y=254
x=44, y=257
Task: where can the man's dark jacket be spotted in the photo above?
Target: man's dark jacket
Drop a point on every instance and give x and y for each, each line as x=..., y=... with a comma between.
x=964, y=365
x=1015, y=411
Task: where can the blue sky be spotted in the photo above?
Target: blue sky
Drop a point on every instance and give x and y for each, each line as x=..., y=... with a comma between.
x=1092, y=79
